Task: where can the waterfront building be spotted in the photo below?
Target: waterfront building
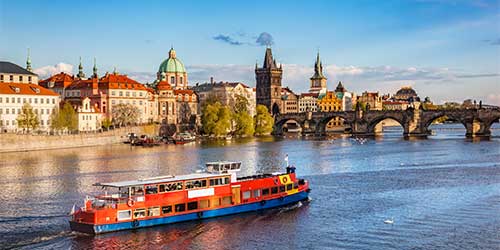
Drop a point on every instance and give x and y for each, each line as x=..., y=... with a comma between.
x=345, y=97
x=268, y=85
x=58, y=83
x=403, y=99
x=406, y=93
x=226, y=93
x=89, y=117
x=308, y=102
x=172, y=71
x=318, y=80
x=372, y=100
x=13, y=95
x=289, y=101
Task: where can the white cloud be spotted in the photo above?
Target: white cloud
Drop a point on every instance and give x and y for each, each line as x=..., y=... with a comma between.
x=47, y=71
x=493, y=99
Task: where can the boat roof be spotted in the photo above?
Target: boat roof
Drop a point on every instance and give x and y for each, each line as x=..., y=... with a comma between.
x=159, y=179
x=222, y=162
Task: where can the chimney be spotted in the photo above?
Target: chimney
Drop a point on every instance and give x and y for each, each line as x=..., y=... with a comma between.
x=211, y=80
x=95, y=86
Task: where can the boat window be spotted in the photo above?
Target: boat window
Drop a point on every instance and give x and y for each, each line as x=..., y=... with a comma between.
x=274, y=190
x=124, y=215
x=139, y=213
x=295, y=185
x=162, y=188
x=265, y=191
x=196, y=184
x=166, y=209
x=154, y=211
x=226, y=180
x=289, y=186
x=226, y=201
x=180, y=207
x=282, y=188
x=216, y=202
x=192, y=205
x=204, y=203
x=168, y=187
x=151, y=189
x=256, y=193
x=136, y=191
x=246, y=195
x=235, y=166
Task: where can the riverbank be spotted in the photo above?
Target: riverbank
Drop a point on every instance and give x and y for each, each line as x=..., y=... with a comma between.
x=20, y=142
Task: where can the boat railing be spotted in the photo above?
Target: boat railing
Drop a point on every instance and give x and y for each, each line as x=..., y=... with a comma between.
x=251, y=177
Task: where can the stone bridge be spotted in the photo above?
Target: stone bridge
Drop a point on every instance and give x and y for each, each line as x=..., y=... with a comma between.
x=415, y=122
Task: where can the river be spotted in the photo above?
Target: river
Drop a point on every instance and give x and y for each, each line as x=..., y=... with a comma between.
x=442, y=193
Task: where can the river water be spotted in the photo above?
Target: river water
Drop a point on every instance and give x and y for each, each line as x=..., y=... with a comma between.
x=442, y=193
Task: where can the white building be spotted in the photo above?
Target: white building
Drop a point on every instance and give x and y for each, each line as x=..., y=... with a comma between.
x=308, y=102
x=89, y=117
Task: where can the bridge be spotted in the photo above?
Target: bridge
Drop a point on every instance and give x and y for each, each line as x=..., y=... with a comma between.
x=415, y=122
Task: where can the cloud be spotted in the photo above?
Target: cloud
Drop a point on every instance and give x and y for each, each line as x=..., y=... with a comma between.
x=227, y=39
x=493, y=99
x=264, y=39
x=47, y=71
x=142, y=77
x=495, y=42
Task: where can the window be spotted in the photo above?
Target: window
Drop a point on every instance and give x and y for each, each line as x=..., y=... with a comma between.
x=11, y=78
x=180, y=207
x=1, y=78
x=113, y=102
x=265, y=192
x=282, y=188
x=127, y=93
x=18, y=100
x=226, y=201
x=274, y=190
x=20, y=78
x=246, y=195
x=256, y=193
x=182, y=80
x=121, y=93
x=0, y=99
x=113, y=93
x=166, y=209
x=138, y=190
x=53, y=101
x=13, y=99
x=124, y=215
x=204, y=204
x=29, y=79
x=196, y=184
x=41, y=100
x=295, y=185
x=139, y=213
x=173, y=186
x=152, y=189
x=192, y=205
x=172, y=80
x=216, y=202
x=154, y=211
x=289, y=186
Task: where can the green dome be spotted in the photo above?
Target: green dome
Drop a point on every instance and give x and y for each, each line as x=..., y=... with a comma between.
x=172, y=64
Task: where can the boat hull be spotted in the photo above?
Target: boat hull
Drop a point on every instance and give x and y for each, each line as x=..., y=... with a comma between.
x=241, y=208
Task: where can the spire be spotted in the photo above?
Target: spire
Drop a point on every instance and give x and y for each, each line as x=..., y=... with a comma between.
x=28, y=62
x=269, y=62
x=171, y=53
x=114, y=71
x=80, y=70
x=340, y=88
x=318, y=68
x=94, y=69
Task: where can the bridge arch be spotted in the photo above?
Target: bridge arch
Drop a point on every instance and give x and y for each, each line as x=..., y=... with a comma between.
x=321, y=125
x=371, y=128
x=281, y=125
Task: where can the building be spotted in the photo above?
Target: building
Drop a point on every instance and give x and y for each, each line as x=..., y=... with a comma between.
x=58, y=83
x=289, y=101
x=172, y=71
x=345, y=97
x=403, y=99
x=395, y=105
x=406, y=94
x=89, y=117
x=372, y=100
x=318, y=80
x=268, y=85
x=308, y=102
x=331, y=103
x=13, y=95
x=226, y=93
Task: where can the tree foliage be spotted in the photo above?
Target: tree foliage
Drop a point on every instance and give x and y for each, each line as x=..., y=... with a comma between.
x=263, y=121
x=64, y=119
x=244, y=124
x=106, y=123
x=216, y=119
x=125, y=114
x=27, y=119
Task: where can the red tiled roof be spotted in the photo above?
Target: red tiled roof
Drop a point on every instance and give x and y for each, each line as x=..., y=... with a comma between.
x=164, y=85
x=117, y=81
x=24, y=89
x=184, y=92
x=60, y=80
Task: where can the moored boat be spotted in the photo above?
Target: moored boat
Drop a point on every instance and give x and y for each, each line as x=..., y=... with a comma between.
x=169, y=199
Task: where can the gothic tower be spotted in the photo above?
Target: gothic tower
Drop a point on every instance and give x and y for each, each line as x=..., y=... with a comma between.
x=268, y=80
x=318, y=80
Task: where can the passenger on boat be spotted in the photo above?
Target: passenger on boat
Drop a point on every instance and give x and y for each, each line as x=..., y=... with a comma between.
x=290, y=169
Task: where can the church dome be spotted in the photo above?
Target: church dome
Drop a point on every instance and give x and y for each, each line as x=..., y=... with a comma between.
x=172, y=64
x=405, y=93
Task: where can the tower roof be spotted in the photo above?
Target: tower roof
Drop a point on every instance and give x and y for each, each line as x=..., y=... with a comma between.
x=318, y=69
x=172, y=64
x=269, y=62
x=340, y=88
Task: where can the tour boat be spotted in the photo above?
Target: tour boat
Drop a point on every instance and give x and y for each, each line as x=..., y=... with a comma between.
x=168, y=199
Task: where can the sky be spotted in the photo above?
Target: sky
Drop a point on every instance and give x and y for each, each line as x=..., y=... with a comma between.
x=448, y=50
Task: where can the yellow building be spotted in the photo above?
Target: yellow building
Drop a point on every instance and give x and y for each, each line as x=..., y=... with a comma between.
x=331, y=103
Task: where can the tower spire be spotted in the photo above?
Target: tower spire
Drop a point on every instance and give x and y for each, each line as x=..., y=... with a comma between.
x=80, y=70
x=28, y=62
x=94, y=70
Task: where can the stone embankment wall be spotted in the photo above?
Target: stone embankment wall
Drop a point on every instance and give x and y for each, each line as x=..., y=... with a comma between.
x=20, y=142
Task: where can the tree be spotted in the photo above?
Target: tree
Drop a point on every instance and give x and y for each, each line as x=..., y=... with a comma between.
x=27, y=119
x=106, y=123
x=244, y=124
x=263, y=121
x=125, y=114
x=215, y=119
x=64, y=119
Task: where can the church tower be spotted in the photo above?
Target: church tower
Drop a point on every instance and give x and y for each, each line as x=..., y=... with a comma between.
x=268, y=80
x=318, y=80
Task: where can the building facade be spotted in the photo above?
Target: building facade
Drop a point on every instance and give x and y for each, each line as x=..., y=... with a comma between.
x=372, y=100
x=308, y=102
x=89, y=117
x=14, y=95
x=289, y=101
x=268, y=85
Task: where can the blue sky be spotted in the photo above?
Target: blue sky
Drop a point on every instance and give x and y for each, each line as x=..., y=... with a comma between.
x=448, y=50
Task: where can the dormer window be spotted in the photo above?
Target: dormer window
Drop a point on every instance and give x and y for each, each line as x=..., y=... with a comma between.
x=36, y=90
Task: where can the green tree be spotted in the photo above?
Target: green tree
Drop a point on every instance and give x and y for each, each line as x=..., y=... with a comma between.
x=106, y=123
x=263, y=121
x=27, y=119
x=68, y=117
x=215, y=119
x=125, y=114
x=244, y=125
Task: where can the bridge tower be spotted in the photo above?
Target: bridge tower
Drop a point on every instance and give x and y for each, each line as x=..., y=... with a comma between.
x=268, y=80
